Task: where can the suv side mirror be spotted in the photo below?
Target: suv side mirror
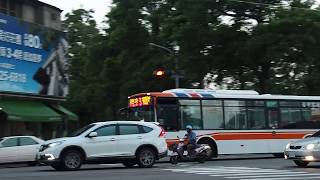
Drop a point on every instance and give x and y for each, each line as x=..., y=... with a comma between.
x=93, y=134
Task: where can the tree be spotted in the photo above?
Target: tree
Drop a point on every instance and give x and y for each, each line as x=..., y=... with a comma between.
x=83, y=36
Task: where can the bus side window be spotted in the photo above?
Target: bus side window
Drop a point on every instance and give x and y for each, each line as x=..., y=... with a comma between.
x=191, y=113
x=168, y=114
x=168, y=117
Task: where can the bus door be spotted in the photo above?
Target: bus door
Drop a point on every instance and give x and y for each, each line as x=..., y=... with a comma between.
x=168, y=114
x=272, y=113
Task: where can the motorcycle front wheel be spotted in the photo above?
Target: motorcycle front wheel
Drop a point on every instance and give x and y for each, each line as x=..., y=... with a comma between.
x=174, y=159
x=202, y=158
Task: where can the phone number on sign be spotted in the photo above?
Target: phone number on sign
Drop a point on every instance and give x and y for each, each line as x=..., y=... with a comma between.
x=13, y=77
x=20, y=55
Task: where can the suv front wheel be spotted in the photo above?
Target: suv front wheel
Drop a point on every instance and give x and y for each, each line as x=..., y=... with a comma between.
x=71, y=160
x=146, y=157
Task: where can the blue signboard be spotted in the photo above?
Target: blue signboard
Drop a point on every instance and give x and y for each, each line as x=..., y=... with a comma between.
x=32, y=58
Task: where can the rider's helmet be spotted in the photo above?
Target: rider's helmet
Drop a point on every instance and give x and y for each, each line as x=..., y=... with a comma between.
x=189, y=127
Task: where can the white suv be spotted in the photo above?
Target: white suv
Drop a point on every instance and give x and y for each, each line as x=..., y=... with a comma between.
x=127, y=142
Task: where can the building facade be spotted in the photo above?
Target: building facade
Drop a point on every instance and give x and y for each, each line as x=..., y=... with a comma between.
x=33, y=70
x=33, y=11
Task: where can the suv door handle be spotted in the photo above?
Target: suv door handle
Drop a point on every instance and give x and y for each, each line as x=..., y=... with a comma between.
x=139, y=137
x=112, y=139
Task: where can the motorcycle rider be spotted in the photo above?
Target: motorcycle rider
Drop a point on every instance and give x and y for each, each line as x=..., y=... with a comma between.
x=192, y=140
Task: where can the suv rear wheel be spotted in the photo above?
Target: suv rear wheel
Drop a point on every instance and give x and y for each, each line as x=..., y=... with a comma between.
x=72, y=160
x=129, y=164
x=57, y=167
x=146, y=157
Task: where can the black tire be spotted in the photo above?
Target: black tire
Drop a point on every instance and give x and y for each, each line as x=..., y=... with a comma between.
x=146, y=157
x=71, y=160
x=201, y=159
x=32, y=163
x=57, y=167
x=278, y=155
x=301, y=163
x=174, y=159
x=214, y=151
x=129, y=164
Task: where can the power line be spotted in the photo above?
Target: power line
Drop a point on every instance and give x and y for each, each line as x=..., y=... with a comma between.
x=272, y=5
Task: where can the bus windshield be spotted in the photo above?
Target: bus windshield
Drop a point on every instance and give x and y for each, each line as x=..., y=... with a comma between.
x=144, y=113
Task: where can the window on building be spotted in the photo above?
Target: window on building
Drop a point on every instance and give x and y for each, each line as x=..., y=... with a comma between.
x=12, y=8
x=54, y=17
x=39, y=15
x=4, y=6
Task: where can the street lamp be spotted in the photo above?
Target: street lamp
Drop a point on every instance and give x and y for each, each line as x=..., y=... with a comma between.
x=174, y=74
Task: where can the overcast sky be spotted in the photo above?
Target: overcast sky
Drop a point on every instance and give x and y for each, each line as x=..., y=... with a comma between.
x=101, y=7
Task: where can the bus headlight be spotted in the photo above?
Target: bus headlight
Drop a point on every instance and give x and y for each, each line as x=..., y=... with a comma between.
x=310, y=146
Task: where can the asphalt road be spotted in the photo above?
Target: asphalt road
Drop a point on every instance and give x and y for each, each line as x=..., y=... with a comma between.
x=225, y=168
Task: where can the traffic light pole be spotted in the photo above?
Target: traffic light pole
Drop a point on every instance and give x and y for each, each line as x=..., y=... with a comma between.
x=175, y=73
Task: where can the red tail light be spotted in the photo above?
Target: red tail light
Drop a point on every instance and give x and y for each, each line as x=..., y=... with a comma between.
x=162, y=133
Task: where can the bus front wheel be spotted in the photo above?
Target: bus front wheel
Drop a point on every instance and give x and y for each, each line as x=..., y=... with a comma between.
x=211, y=143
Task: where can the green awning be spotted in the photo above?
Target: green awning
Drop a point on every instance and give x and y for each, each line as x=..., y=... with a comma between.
x=70, y=115
x=28, y=111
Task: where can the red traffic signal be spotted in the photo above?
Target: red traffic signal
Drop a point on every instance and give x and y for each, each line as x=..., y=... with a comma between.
x=159, y=72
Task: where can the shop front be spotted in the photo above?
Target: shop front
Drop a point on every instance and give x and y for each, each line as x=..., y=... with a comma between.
x=44, y=119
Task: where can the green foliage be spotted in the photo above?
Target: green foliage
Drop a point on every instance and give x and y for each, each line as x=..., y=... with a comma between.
x=236, y=45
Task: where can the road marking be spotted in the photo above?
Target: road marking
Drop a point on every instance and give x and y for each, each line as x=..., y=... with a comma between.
x=285, y=178
x=246, y=173
x=276, y=176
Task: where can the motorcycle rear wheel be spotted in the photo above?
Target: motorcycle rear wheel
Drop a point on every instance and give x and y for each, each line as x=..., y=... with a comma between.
x=202, y=157
x=174, y=159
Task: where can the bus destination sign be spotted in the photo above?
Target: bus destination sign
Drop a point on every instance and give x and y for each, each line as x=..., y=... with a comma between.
x=140, y=101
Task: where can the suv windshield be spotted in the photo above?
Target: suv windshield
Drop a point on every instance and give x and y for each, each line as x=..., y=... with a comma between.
x=317, y=134
x=80, y=131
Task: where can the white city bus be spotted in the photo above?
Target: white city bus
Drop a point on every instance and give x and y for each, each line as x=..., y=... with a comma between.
x=230, y=121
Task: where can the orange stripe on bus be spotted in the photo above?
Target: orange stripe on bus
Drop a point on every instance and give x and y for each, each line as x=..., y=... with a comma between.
x=257, y=136
x=250, y=136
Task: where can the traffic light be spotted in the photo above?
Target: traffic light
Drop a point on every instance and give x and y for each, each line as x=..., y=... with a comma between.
x=159, y=73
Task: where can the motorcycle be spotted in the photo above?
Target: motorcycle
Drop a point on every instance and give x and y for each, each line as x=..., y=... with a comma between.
x=201, y=153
